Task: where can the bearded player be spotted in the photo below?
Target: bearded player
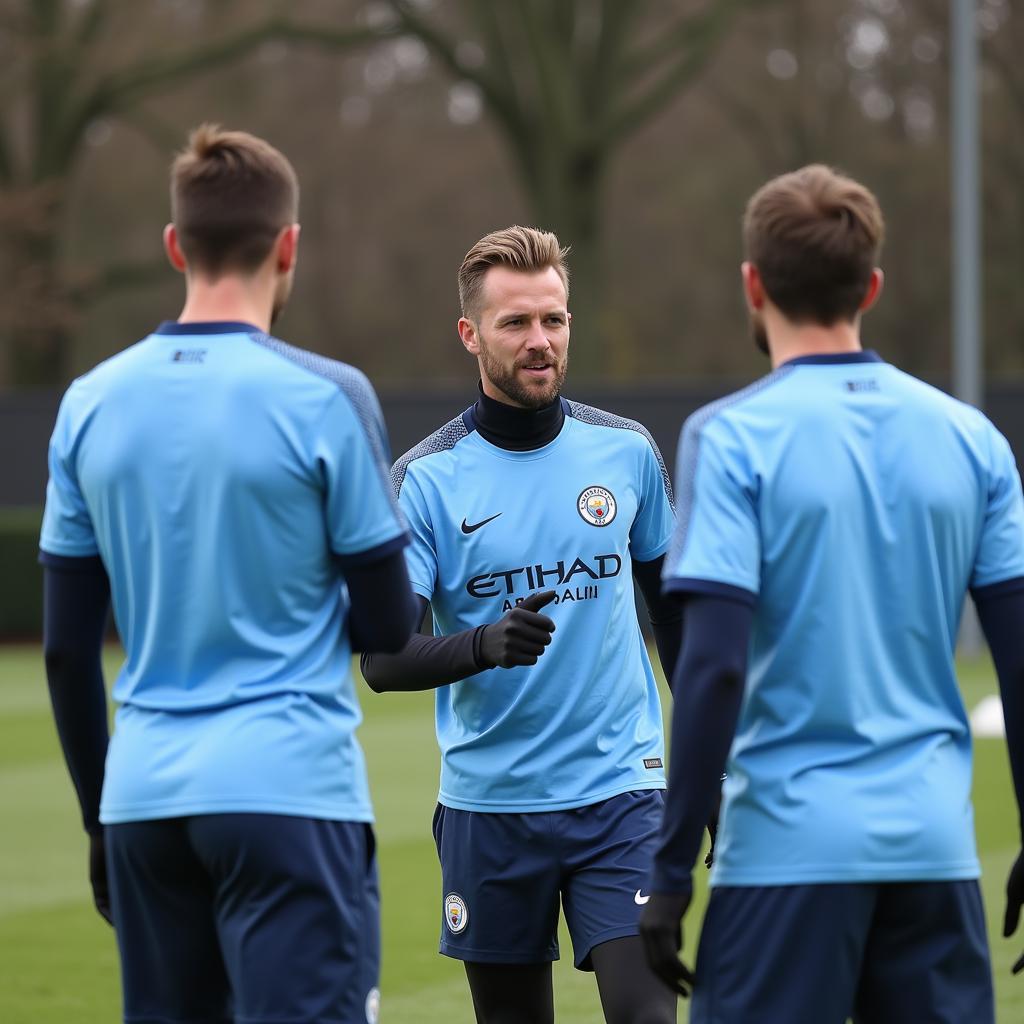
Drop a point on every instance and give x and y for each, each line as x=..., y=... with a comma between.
x=531, y=516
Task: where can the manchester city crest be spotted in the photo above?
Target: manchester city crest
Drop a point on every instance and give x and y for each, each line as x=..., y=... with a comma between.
x=596, y=505
x=456, y=914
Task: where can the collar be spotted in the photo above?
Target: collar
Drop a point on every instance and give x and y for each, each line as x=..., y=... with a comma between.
x=832, y=358
x=515, y=429
x=208, y=327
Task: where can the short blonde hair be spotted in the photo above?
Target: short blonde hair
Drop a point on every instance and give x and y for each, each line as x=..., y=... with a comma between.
x=524, y=249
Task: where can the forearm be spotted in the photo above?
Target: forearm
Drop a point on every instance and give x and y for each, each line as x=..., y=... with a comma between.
x=708, y=693
x=383, y=609
x=425, y=663
x=74, y=618
x=664, y=611
x=1001, y=613
x=519, y=637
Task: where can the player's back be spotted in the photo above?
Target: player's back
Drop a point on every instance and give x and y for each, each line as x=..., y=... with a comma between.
x=869, y=490
x=221, y=474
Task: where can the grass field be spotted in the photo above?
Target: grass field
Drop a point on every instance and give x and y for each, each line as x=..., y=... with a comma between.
x=57, y=957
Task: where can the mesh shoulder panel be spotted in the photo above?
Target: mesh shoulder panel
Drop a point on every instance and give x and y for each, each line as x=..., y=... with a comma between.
x=441, y=440
x=600, y=418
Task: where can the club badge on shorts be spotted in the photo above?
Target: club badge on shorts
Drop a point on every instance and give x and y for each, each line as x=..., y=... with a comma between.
x=596, y=505
x=456, y=914
x=373, y=1006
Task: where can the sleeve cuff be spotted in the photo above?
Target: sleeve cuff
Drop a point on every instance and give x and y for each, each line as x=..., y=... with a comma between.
x=991, y=590
x=374, y=554
x=682, y=585
x=70, y=563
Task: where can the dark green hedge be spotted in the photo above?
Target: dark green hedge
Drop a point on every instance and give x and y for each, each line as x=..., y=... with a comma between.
x=21, y=577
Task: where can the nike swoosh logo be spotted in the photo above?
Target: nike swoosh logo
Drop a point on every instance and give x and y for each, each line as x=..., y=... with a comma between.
x=640, y=900
x=466, y=528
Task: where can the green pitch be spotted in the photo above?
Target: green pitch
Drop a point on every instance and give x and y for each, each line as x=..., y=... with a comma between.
x=57, y=958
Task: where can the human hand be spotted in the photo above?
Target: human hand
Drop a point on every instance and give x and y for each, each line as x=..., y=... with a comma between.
x=713, y=829
x=661, y=928
x=98, y=876
x=520, y=635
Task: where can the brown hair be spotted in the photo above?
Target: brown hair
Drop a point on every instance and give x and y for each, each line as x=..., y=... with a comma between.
x=814, y=236
x=525, y=249
x=231, y=194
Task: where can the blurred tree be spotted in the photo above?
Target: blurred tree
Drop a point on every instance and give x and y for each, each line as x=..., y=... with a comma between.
x=66, y=69
x=568, y=82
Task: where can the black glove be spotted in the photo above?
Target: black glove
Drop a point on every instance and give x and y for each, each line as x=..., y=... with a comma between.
x=520, y=635
x=713, y=830
x=1014, y=900
x=661, y=928
x=98, y=876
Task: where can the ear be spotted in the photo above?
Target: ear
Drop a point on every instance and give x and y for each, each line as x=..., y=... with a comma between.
x=874, y=290
x=173, y=249
x=753, y=286
x=286, y=249
x=469, y=336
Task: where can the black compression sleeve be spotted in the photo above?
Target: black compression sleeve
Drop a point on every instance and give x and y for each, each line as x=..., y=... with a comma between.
x=75, y=604
x=426, y=662
x=664, y=611
x=708, y=690
x=383, y=609
x=1001, y=613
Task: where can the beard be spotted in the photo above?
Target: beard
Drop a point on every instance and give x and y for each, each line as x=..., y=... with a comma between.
x=758, y=333
x=528, y=394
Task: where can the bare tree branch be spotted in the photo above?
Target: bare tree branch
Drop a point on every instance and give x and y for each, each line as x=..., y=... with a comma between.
x=485, y=15
x=116, y=91
x=699, y=45
x=556, y=86
x=501, y=101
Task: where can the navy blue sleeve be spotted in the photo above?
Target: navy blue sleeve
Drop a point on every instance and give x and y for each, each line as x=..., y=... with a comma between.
x=664, y=611
x=708, y=690
x=383, y=609
x=1001, y=613
x=426, y=662
x=76, y=600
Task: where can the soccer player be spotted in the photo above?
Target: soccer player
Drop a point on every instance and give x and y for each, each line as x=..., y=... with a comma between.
x=223, y=488
x=551, y=772
x=832, y=518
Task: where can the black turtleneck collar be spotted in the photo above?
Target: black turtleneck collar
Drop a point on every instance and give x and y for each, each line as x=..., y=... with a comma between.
x=515, y=429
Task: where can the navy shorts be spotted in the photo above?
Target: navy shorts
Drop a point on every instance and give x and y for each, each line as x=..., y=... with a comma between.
x=503, y=876
x=881, y=953
x=247, y=919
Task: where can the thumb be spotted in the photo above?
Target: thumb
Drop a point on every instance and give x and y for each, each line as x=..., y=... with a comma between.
x=535, y=602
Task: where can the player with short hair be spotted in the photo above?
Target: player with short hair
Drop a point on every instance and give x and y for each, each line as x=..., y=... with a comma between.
x=531, y=515
x=833, y=517
x=229, y=492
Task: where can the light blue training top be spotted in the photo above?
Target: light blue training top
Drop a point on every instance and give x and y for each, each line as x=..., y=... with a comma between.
x=490, y=526
x=225, y=479
x=855, y=505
